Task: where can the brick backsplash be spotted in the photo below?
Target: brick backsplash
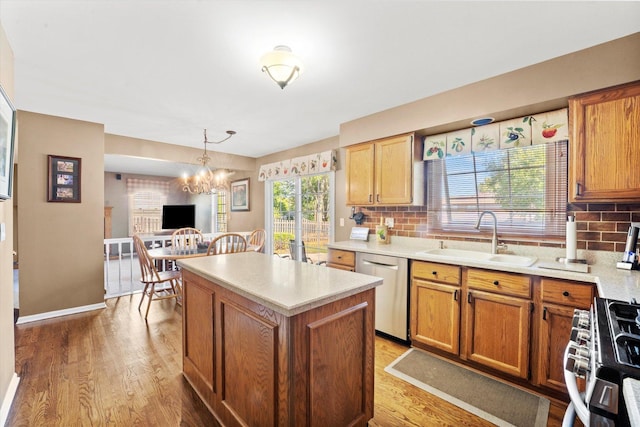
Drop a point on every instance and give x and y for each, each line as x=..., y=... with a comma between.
x=601, y=227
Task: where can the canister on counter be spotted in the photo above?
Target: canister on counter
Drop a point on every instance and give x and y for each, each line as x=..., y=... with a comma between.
x=382, y=233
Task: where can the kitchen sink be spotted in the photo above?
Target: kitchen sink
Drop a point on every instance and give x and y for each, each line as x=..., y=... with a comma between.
x=504, y=259
x=523, y=261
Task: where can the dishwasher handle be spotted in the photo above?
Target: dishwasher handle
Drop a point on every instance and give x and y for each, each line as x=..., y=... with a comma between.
x=380, y=264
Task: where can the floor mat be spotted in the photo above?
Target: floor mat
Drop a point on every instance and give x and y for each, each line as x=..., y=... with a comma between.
x=485, y=397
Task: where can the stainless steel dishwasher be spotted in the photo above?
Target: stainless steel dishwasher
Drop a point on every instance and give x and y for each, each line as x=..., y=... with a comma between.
x=392, y=296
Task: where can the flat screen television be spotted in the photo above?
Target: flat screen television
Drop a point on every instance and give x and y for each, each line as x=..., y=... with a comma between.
x=178, y=216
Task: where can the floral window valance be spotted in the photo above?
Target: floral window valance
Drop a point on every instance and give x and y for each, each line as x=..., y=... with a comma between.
x=138, y=185
x=304, y=165
x=540, y=128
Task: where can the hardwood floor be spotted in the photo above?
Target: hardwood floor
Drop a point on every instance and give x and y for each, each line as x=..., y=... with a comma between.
x=109, y=367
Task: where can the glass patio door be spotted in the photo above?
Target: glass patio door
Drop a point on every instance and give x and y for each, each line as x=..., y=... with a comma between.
x=300, y=218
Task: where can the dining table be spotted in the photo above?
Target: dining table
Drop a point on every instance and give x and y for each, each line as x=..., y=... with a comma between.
x=166, y=256
x=171, y=253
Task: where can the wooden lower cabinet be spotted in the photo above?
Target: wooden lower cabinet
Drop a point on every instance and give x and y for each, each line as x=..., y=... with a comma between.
x=497, y=332
x=497, y=316
x=512, y=323
x=435, y=318
x=555, y=329
x=559, y=299
x=435, y=305
x=253, y=366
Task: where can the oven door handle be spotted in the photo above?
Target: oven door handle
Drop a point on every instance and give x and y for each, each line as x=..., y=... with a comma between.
x=572, y=386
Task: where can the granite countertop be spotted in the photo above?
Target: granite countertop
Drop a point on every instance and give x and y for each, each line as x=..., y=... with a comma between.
x=284, y=286
x=612, y=283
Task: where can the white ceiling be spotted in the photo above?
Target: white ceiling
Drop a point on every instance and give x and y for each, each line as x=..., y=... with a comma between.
x=165, y=70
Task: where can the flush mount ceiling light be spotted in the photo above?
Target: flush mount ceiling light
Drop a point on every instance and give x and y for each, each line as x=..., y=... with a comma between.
x=281, y=65
x=482, y=121
x=208, y=181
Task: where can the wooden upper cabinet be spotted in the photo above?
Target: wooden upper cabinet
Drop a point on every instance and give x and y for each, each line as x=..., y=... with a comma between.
x=605, y=136
x=360, y=174
x=381, y=172
x=393, y=171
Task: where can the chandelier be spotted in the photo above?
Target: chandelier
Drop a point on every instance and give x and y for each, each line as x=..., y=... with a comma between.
x=207, y=181
x=281, y=65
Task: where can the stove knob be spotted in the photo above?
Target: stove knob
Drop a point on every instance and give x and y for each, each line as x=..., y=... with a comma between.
x=581, y=322
x=578, y=312
x=582, y=318
x=580, y=336
x=579, y=351
x=578, y=365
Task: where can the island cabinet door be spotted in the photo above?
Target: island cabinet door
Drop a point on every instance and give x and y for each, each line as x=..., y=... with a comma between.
x=251, y=354
x=198, y=336
x=333, y=366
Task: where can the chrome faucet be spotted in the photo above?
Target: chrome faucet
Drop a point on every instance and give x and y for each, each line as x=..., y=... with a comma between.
x=494, y=239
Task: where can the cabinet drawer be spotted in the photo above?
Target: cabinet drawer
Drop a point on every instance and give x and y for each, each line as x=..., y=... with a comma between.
x=443, y=273
x=341, y=267
x=337, y=256
x=578, y=295
x=496, y=281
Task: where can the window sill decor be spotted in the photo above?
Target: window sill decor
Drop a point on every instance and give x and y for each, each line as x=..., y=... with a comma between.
x=299, y=166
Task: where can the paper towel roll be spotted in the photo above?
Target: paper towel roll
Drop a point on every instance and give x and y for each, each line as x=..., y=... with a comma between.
x=572, y=243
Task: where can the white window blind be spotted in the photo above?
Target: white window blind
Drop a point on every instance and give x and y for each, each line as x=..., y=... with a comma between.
x=221, y=212
x=145, y=211
x=525, y=187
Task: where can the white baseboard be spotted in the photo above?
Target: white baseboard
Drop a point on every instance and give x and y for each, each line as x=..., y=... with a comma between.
x=8, y=398
x=57, y=313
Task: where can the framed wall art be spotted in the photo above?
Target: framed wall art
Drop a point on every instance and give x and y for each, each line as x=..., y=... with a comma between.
x=7, y=137
x=240, y=195
x=64, y=179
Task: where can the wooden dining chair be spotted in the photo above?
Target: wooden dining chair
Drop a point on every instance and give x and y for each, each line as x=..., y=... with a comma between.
x=158, y=285
x=227, y=243
x=256, y=240
x=186, y=238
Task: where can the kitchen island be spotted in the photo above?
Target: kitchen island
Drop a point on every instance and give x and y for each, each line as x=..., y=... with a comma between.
x=272, y=342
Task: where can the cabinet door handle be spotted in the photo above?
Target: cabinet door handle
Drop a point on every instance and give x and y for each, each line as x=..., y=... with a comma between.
x=565, y=293
x=495, y=282
x=577, y=188
x=377, y=197
x=469, y=297
x=339, y=257
x=435, y=273
x=544, y=313
x=370, y=198
x=455, y=295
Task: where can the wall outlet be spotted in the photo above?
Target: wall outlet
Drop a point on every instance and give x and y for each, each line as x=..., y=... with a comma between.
x=388, y=222
x=341, y=222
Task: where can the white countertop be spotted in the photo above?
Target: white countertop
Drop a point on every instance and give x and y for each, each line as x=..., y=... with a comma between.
x=612, y=283
x=282, y=285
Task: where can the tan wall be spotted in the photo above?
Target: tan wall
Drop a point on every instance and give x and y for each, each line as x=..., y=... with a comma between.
x=134, y=147
x=541, y=87
x=7, y=349
x=61, y=244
